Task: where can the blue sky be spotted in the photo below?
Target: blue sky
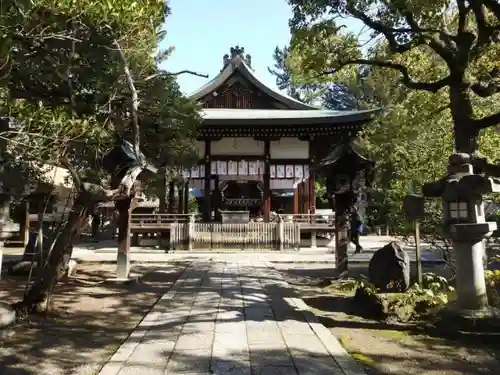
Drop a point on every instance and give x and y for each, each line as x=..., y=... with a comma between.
x=202, y=31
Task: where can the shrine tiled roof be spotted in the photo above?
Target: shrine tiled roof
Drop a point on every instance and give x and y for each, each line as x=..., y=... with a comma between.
x=218, y=115
x=237, y=63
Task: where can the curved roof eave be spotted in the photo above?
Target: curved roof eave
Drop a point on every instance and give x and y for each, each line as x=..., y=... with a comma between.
x=238, y=64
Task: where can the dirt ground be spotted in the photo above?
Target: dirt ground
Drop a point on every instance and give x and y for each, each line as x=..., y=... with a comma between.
x=90, y=319
x=386, y=349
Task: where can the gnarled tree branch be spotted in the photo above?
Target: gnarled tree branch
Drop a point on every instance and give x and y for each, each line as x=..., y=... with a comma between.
x=485, y=31
x=406, y=80
x=388, y=32
x=134, y=98
x=169, y=74
x=487, y=121
x=187, y=72
x=489, y=89
x=463, y=12
x=493, y=6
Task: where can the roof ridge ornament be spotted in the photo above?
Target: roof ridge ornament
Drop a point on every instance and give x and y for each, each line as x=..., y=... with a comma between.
x=234, y=53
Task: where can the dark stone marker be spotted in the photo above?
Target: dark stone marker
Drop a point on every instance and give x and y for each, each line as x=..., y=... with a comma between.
x=389, y=269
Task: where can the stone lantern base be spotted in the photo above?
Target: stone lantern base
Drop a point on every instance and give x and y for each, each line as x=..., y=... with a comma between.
x=470, y=313
x=7, y=315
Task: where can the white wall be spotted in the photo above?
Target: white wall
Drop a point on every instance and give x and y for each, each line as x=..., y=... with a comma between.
x=289, y=148
x=237, y=146
x=285, y=148
x=200, y=145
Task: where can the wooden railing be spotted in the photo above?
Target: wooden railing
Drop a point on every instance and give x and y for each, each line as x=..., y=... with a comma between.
x=312, y=219
x=159, y=220
x=162, y=220
x=212, y=236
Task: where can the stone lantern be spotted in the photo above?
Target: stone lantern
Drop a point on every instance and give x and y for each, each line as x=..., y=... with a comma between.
x=464, y=222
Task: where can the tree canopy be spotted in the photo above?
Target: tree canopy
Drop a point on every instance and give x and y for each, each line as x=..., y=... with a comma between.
x=74, y=77
x=62, y=78
x=459, y=36
x=413, y=136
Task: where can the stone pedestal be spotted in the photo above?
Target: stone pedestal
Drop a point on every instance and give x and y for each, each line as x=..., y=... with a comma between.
x=7, y=315
x=469, y=250
x=470, y=312
x=7, y=230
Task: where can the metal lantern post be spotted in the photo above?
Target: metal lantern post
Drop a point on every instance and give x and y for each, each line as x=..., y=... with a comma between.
x=117, y=162
x=347, y=174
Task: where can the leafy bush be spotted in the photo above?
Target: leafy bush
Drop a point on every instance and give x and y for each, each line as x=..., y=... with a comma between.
x=417, y=303
x=493, y=287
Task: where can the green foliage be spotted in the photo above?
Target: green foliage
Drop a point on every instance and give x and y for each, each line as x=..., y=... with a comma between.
x=349, y=285
x=449, y=49
x=493, y=286
x=62, y=79
x=417, y=303
x=414, y=136
x=436, y=283
x=192, y=205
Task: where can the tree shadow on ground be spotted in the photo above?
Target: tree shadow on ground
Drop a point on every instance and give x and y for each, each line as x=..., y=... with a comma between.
x=92, y=318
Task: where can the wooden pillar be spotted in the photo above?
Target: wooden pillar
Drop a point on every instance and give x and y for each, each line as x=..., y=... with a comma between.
x=171, y=196
x=300, y=197
x=342, y=204
x=186, y=197
x=312, y=191
x=267, y=181
x=304, y=190
x=296, y=201
x=207, y=210
x=163, y=193
x=25, y=223
x=124, y=208
x=180, y=198
x=312, y=178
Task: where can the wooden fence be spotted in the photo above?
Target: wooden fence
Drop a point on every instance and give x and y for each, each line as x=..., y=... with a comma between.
x=213, y=236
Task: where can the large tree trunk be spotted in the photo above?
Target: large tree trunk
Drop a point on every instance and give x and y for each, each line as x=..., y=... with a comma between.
x=466, y=135
x=37, y=295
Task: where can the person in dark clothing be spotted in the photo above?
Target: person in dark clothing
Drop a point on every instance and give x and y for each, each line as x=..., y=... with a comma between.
x=96, y=223
x=356, y=230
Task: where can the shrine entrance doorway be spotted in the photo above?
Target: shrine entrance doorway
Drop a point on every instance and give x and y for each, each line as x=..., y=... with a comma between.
x=242, y=195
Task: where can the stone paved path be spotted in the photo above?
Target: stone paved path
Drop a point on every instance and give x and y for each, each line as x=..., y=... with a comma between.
x=230, y=318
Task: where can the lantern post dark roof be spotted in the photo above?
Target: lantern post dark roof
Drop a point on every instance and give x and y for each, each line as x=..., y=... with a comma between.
x=343, y=150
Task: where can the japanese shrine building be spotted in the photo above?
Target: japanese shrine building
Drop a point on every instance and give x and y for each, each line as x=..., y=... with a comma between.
x=255, y=143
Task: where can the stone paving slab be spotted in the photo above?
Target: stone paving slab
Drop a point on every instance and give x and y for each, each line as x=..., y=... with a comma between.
x=231, y=318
